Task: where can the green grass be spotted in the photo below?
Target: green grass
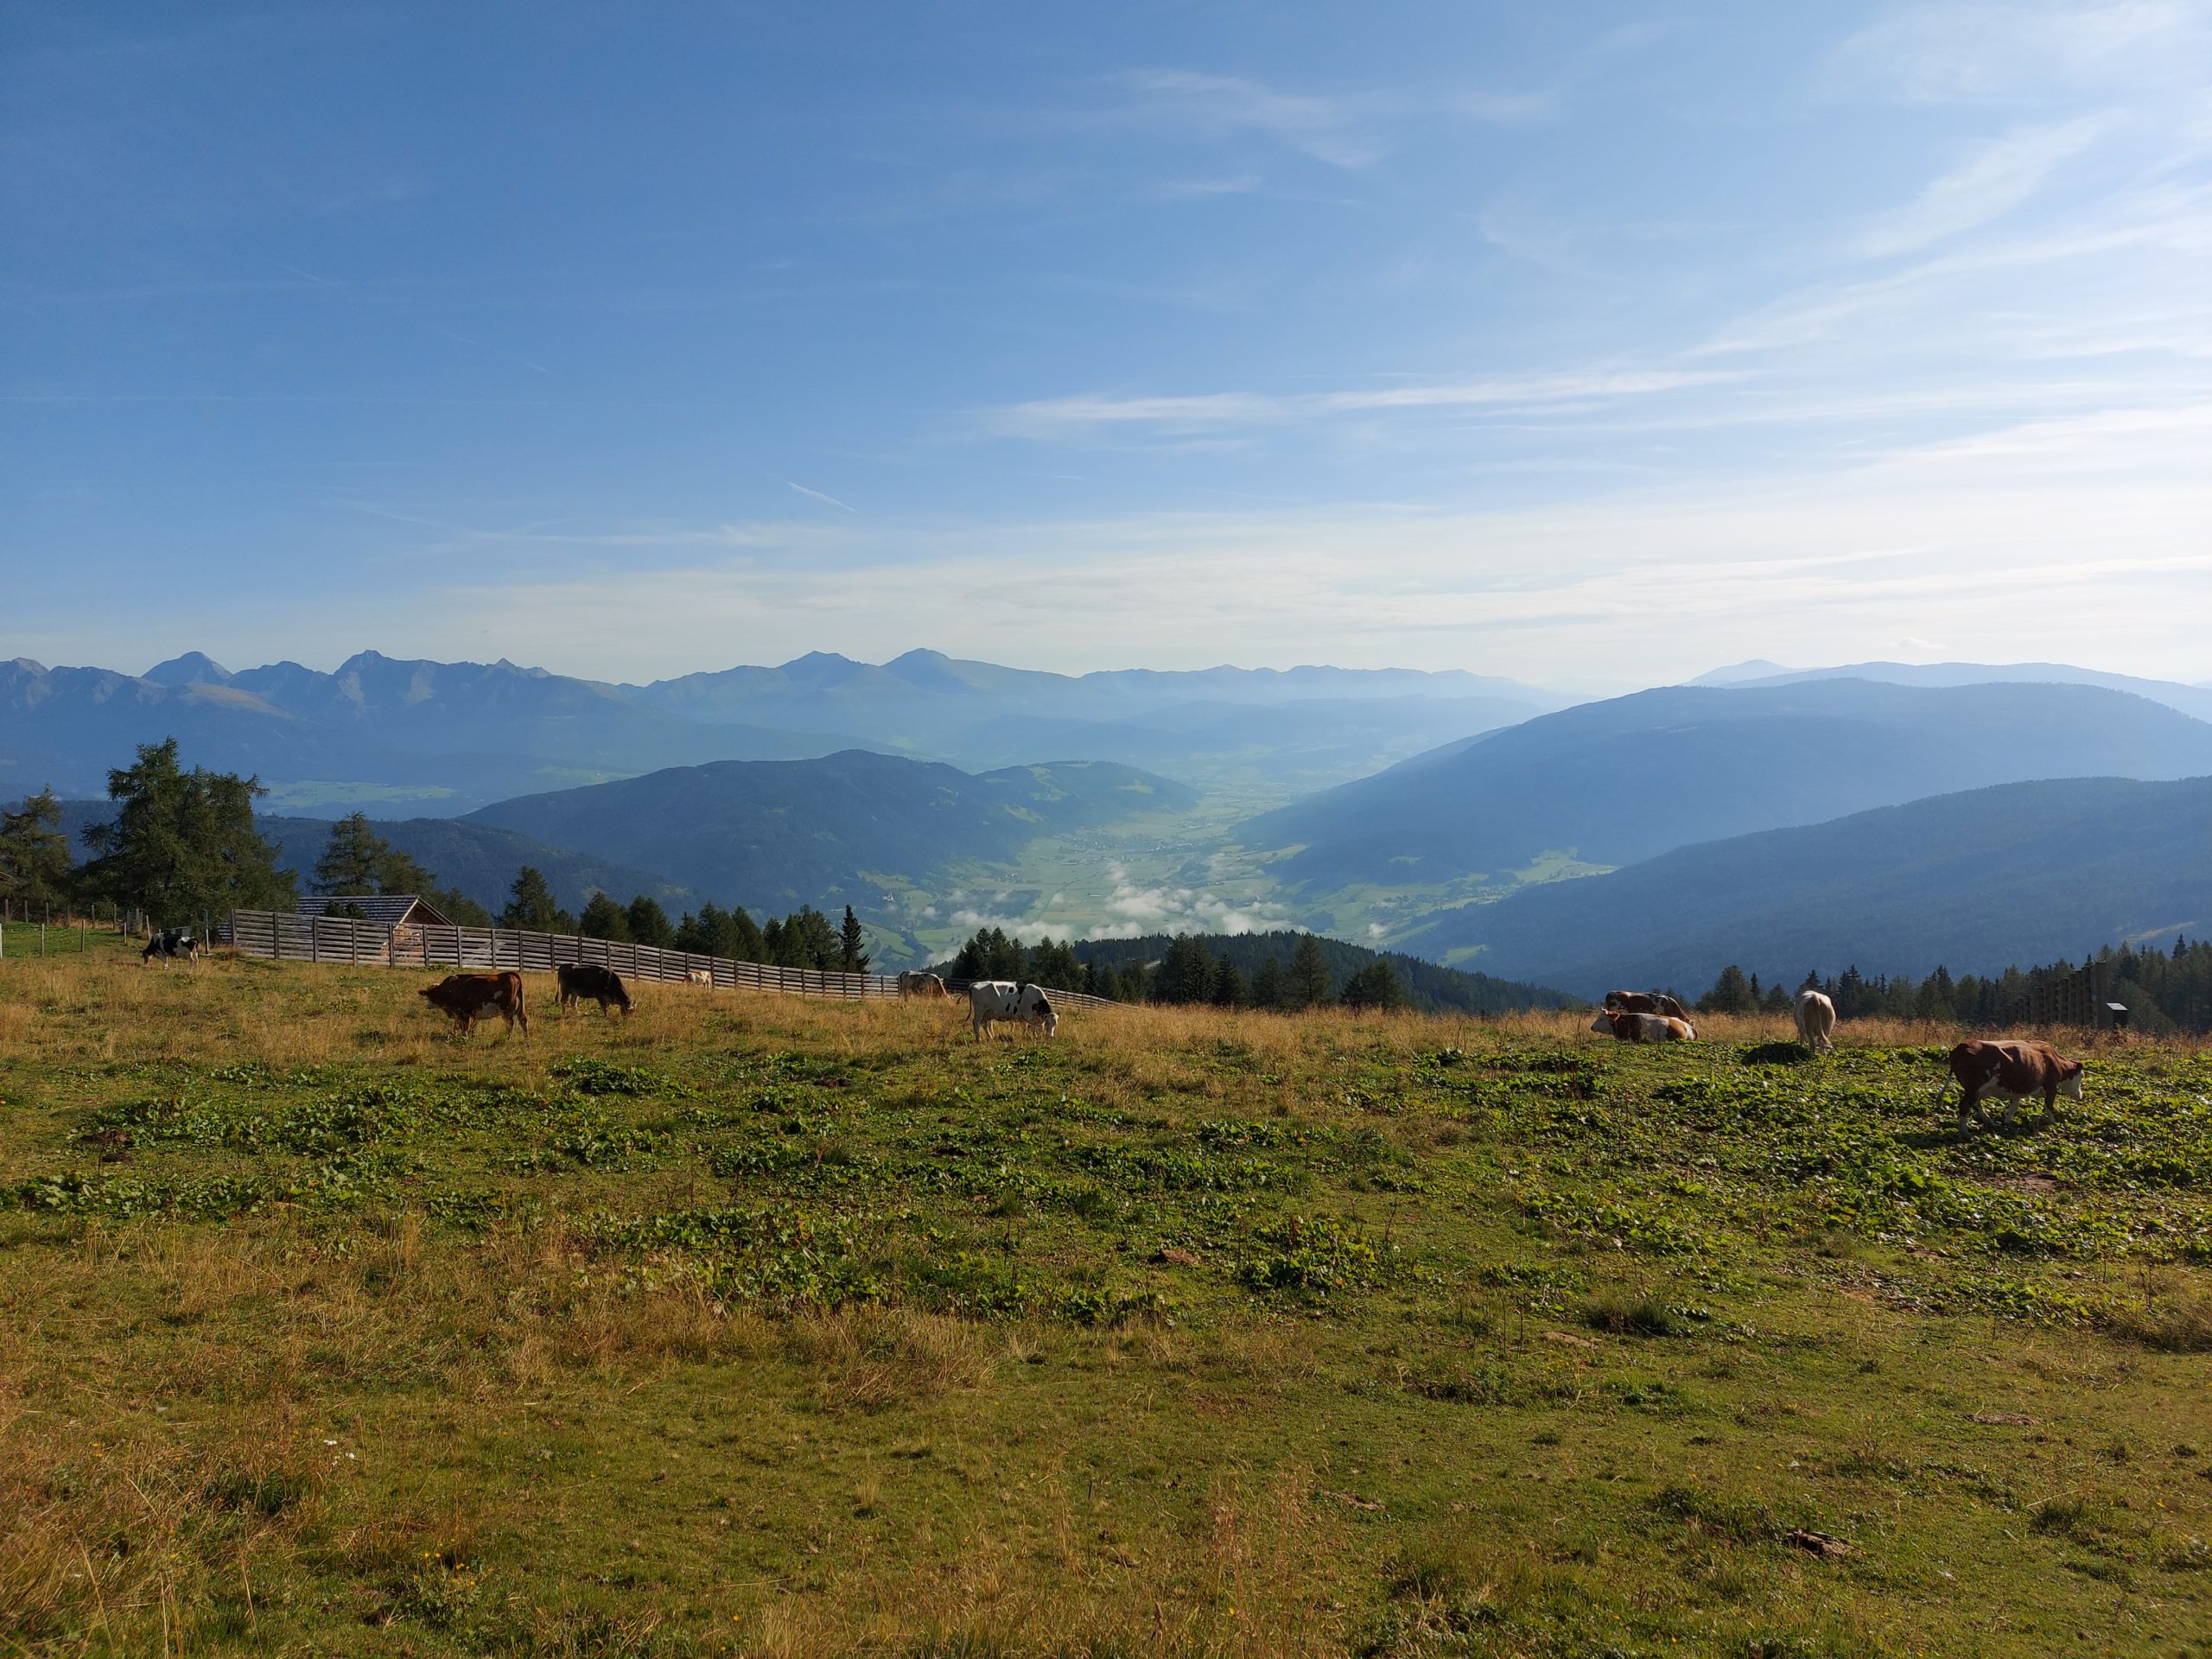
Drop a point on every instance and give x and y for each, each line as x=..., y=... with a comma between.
x=757, y=1325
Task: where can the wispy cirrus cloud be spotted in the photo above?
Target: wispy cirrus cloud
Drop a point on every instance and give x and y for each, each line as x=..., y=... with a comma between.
x=817, y=495
x=1342, y=130
x=1997, y=178
x=1079, y=417
x=2017, y=53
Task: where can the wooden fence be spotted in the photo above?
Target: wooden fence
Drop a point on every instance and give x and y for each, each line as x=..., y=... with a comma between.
x=282, y=936
x=2083, y=998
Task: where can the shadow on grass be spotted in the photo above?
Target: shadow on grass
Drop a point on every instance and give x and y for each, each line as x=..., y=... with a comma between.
x=1777, y=1054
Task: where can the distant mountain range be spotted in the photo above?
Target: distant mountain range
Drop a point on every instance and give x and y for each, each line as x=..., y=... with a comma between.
x=385, y=732
x=1976, y=881
x=1623, y=780
x=2194, y=700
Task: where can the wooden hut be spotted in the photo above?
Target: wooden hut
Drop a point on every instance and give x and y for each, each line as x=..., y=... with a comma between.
x=404, y=913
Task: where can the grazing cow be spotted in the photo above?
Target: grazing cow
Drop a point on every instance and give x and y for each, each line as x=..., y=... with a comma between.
x=580, y=980
x=169, y=943
x=927, y=986
x=1815, y=1021
x=1630, y=1028
x=701, y=976
x=2015, y=1070
x=467, y=997
x=1002, y=999
x=1645, y=1002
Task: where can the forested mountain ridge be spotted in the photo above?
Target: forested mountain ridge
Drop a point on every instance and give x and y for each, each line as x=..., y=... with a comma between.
x=1623, y=780
x=772, y=834
x=1976, y=881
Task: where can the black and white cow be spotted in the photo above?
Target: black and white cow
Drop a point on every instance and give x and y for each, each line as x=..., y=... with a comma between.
x=169, y=944
x=1002, y=999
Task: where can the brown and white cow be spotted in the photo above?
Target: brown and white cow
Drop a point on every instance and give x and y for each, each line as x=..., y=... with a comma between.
x=1815, y=1021
x=1632, y=1028
x=2016, y=1070
x=701, y=976
x=1645, y=1002
x=467, y=997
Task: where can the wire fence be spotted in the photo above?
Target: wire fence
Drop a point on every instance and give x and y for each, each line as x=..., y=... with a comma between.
x=282, y=936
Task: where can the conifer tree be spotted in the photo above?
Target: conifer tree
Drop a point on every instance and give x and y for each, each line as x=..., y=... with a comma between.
x=531, y=907
x=648, y=923
x=603, y=919
x=1268, y=984
x=1731, y=993
x=351, y=859
x=34, y=853
x=182, y=844
x=1228, y=987
x=1375, y=986
x=1309, y=975
x=852, y=956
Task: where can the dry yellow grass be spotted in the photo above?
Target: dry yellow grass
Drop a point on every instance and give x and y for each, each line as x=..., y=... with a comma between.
x=336, y=1424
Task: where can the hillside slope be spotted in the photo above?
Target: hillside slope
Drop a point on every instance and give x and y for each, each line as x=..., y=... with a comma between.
x=771, y=834
x=480, y=861
x=1621, y=781
x=2193, y=700
x=1976, y=881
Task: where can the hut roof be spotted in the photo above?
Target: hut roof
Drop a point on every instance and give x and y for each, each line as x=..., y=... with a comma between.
x=385, y=909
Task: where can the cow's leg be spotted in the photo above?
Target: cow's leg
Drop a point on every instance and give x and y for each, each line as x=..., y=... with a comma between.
x=1967, y=1113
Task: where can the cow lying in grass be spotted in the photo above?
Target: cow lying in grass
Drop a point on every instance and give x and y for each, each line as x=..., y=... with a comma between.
x=580, y=980
x=990, y=1000
x=2014, y=1070
x=1645, y=1002
x=467, y=997
x=1642, y=1027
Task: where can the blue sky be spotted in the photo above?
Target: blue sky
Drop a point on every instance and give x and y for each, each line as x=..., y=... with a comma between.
x=1594, y=344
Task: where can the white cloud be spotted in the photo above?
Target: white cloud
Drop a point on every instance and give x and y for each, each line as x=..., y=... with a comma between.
x=1202, y=189
x=1066, y=417
x=1335, y=130
x=2010, y=54
x=1976, y=537
x=1988, y=185
x=816, y=495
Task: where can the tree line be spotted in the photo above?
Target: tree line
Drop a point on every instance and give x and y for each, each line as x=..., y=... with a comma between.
x=183, y=846
x=1188, y=972
x=805, y=939
x=2164, y=990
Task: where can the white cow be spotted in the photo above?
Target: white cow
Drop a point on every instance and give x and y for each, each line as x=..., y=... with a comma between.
x=700, y=977
x=1815, y=1021
x=1002, y=999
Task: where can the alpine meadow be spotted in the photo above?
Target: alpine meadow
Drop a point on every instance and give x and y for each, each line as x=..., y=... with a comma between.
x=998, y=832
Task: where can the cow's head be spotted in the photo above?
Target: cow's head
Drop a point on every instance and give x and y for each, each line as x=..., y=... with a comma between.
x=1603, y=1022
x=2070, y=1079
